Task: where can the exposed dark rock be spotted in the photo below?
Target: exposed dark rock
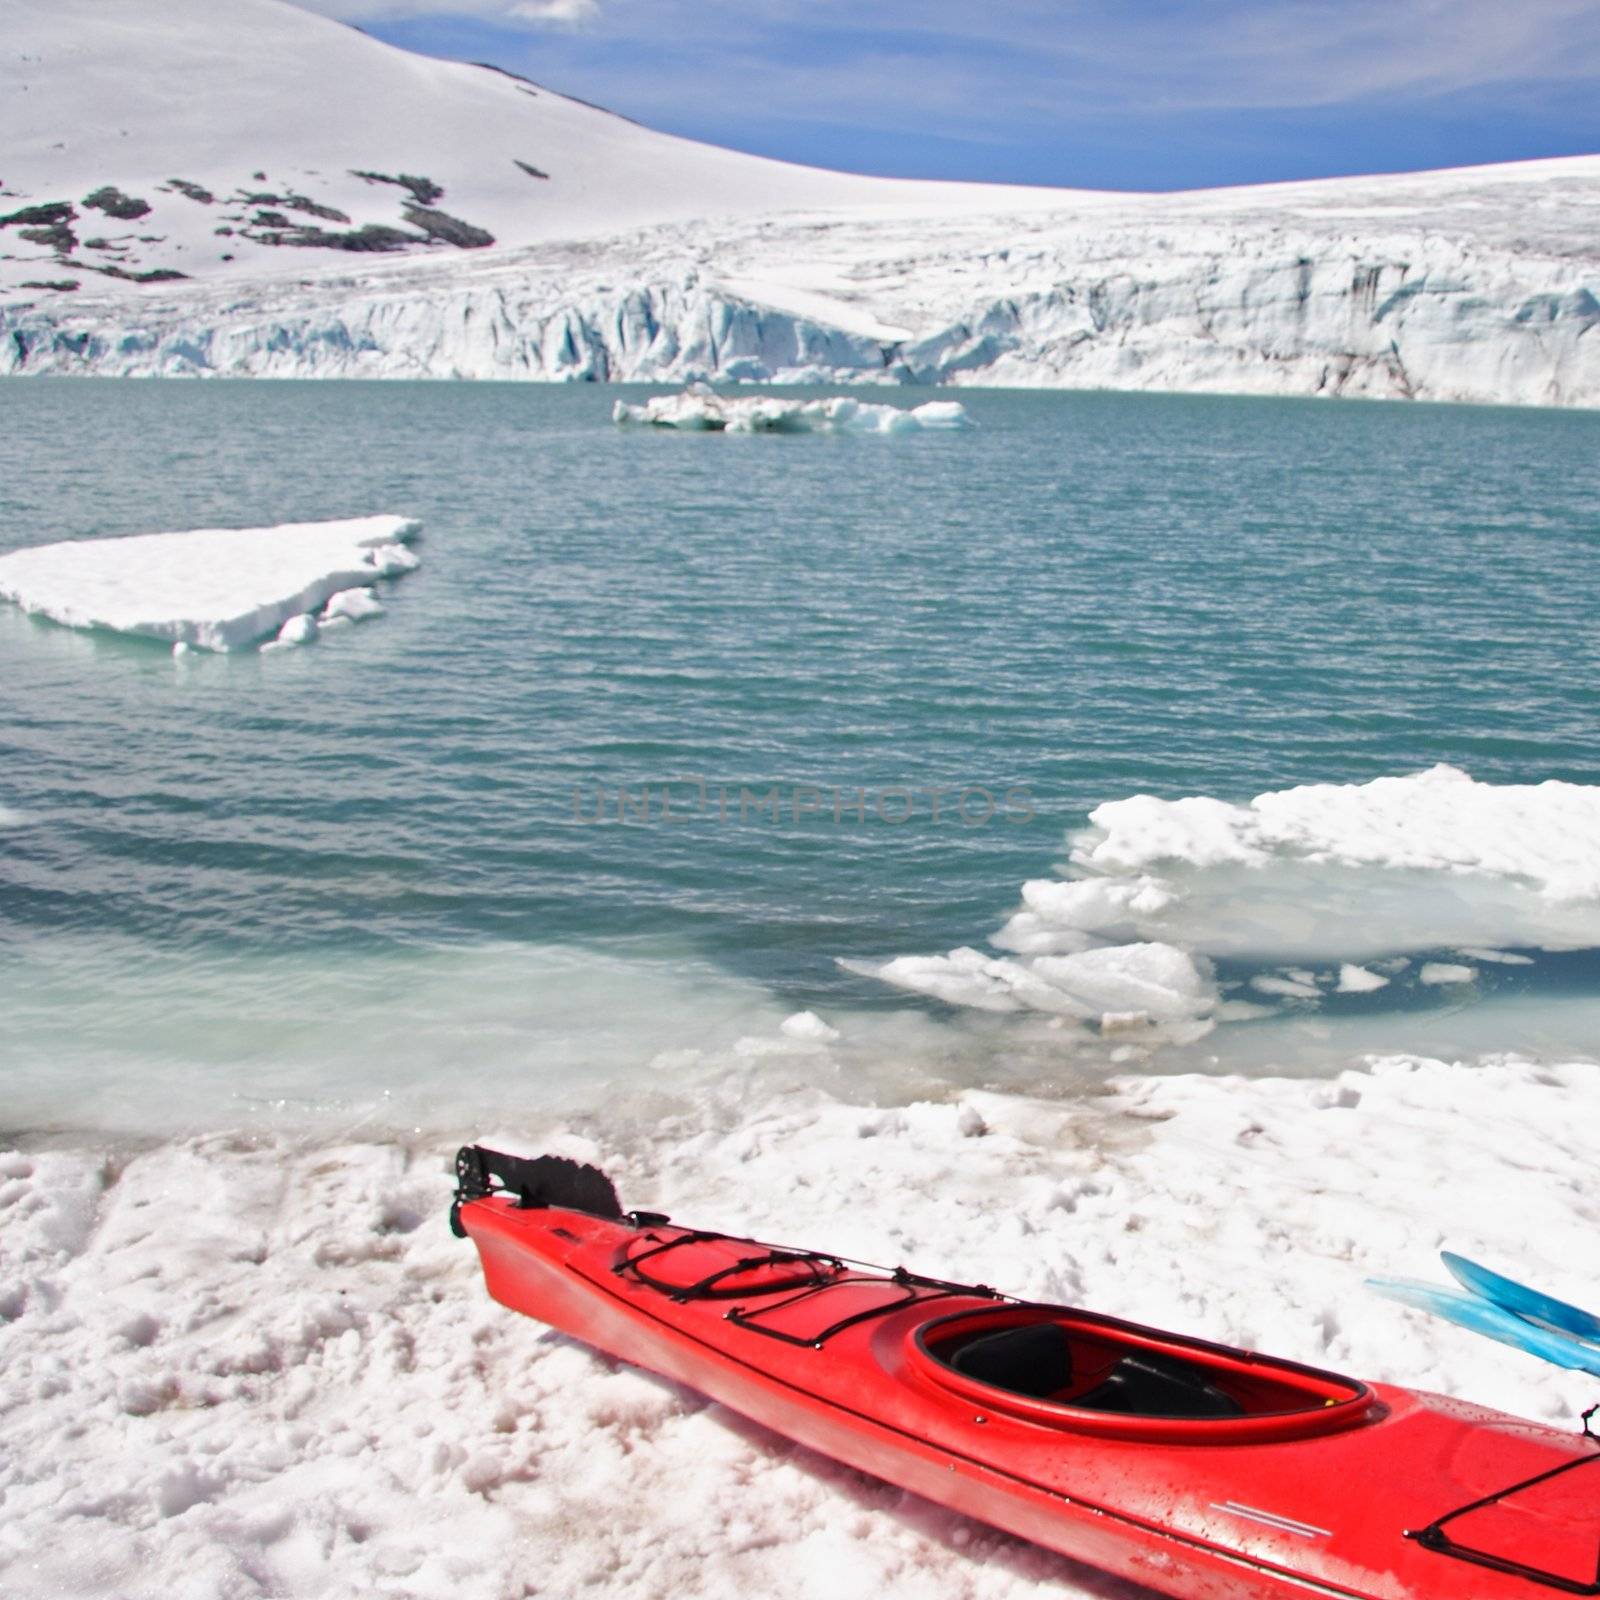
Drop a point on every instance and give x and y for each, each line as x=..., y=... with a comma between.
x=489, y=66
x=109, y=269
x=271, y=219
x=112, y=201
x=154, y=275
x=533, y=172
x=313, y=208
x=226, y=233
x=374, y=238
x=97, y=244
x=62, y=284
x=295, y=202
x=260, y=177
x=58, y=236
x=424, y=190
x=193, y=190
x=450, y=230
x=54, y=211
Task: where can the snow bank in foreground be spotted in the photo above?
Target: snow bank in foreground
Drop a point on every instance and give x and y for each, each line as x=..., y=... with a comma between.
x=237, y=1367
x=1328, y=875
x=213, y=588
x=700, y=410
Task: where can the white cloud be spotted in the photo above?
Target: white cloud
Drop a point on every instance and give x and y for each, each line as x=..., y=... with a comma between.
x=562, y=13
x=528, y=13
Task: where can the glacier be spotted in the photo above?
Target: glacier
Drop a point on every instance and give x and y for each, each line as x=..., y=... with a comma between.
x=1471, y=287
x=418, y=218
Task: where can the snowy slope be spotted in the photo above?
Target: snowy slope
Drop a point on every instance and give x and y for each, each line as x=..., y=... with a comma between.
x=273, y=112
x=644, y=257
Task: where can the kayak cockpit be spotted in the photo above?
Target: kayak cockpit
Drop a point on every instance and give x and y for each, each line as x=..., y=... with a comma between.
x=1041, y=1360
x=1073, y=1369
x=1048, y=1364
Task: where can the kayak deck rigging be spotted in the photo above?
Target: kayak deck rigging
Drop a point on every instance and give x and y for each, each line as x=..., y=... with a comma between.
x=1435, y=1538
x=803, y=1282
x=1068, y=1369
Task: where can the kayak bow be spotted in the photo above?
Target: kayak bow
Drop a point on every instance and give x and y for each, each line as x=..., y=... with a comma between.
x=1199, y=1470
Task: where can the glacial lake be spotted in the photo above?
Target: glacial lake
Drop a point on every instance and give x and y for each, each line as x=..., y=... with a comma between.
x=426, y=858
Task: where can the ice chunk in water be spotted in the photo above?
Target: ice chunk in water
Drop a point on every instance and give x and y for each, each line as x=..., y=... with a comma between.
x=701, y=410
x=208, y=588
x=353, y=605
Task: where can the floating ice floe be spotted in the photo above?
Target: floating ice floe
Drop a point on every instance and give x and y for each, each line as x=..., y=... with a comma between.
x=1355, y=979
x=700, y=410
x=301, y=629
x=1442, y=972
x=213, y=588
x=809, y=1027
x=352, y=605
x=1137, y=984
x=1330, y=874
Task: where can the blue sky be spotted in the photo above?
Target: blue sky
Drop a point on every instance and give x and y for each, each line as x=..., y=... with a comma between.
x=1141, y=94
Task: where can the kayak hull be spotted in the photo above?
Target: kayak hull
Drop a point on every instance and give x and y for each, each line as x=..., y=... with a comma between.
x=1326, y=1512
x=969, y=1487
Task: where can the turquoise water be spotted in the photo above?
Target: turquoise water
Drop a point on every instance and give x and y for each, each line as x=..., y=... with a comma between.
x=284, y=877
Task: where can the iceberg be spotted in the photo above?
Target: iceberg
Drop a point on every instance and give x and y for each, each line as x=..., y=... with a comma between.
x=216, y=589
x=1332, y=875
x=700, y=409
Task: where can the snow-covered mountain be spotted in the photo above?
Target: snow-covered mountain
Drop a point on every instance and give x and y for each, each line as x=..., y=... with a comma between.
x=252, y=189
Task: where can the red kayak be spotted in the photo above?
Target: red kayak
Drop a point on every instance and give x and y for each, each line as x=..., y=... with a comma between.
x=1197, y=1470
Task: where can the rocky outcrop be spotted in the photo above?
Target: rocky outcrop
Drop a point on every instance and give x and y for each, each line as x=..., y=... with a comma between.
x=446, y=229
x=112, y=201
x=424, y=191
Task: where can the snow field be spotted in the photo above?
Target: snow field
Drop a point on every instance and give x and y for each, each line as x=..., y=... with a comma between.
x=242, y=1366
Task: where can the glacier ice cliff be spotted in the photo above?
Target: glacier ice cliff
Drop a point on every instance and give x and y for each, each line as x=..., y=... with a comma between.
x=1457, y=286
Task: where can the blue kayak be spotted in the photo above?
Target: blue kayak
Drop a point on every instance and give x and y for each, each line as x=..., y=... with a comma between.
x=1482, y=1316
x=1519, y=1299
